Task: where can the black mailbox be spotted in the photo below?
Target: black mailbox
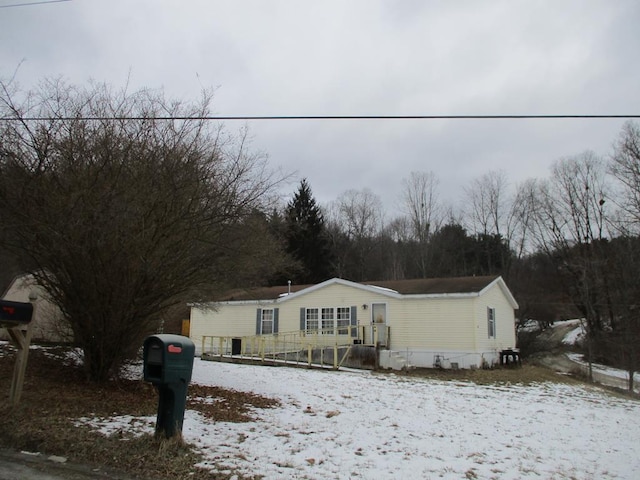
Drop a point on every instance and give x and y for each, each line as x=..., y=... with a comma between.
x=15, y=313
x=168, y=364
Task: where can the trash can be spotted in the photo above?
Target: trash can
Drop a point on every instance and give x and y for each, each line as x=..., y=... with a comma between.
x=168, y=365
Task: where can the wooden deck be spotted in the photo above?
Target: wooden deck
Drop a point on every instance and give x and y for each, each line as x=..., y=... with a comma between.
x=332, y=348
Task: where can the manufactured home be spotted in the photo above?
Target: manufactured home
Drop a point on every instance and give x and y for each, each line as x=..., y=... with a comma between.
x=465, y=322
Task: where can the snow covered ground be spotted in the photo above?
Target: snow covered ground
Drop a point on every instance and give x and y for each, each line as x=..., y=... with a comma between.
x=344, y=425
x=574, y=336
x=606, y=375
x=601, y=373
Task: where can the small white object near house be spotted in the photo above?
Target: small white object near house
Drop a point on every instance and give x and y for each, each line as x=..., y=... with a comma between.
x=449, y=322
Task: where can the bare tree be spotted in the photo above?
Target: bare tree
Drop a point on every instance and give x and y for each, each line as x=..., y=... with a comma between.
x=570, y=226
x=489, y=216
x=520, y=218
x=625, y=258
x=424, y=211
x=358, y=216
x=622, y=343
x=397, y=233
x=361, y=213
x=518, y=227
x=486, y=198
x=120, y=214
x=625, y=168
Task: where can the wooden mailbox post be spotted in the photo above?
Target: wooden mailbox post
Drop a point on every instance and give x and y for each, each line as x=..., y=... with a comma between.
x=16, y=318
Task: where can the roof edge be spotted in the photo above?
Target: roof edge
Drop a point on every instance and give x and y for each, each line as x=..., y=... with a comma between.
x=505, y=290
x=371, y=288
x=340, y=281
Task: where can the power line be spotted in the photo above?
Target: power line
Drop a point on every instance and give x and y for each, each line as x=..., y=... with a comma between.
x=32, y=3
x=330, y=117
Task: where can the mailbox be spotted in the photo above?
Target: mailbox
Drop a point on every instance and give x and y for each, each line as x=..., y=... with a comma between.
x=15, y=313
x=168, y=359
x=168, y=364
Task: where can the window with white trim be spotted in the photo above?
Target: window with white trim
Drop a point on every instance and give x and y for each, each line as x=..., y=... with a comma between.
x=266, y=323
x=311, y=320
x=328, y=320
x=491, y=322
x=343, y=320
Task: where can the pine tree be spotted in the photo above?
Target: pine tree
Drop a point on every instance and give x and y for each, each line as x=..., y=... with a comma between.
x=306, y=236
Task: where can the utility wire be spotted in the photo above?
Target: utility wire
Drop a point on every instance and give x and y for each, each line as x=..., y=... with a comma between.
x=329, y=117
x=32, y=3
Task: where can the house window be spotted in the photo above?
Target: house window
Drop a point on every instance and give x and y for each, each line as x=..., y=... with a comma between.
x=311, y=320
x=343, y=320
x=491, y=322
x=328, y=320
x=267, y=321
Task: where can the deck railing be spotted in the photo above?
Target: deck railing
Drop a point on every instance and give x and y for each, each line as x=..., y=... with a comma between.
x=329, y=346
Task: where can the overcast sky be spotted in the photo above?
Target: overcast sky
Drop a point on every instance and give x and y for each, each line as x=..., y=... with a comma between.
x=360, y=57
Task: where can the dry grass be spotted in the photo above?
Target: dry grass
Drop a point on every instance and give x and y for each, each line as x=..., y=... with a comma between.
x=55, y=394
x=524, y=375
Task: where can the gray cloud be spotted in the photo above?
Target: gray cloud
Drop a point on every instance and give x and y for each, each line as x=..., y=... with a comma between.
x=361, y=57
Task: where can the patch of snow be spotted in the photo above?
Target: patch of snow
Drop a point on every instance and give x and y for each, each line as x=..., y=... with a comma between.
x=606, y=370
x=574, y=336
x=132, y=370
x=57, y=459
x=383, y=289
x=121, y=424
x=346, y=425
x=529, y=325
x=562, y=323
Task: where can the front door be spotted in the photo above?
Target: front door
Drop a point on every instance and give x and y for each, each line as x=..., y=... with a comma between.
x=379, y=323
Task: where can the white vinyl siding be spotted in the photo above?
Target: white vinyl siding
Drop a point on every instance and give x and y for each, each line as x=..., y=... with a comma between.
x=431, y=324
x=503, y=321
x=224, y=321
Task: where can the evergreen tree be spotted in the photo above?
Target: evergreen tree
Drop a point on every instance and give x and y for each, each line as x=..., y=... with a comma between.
x=306, y=236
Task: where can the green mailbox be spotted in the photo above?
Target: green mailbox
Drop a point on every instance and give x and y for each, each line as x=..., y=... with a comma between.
x=168, y=364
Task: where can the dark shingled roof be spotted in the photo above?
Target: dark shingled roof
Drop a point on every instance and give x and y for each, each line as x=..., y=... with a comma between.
x=432, y=286
x=422, y=286
x=259, y=293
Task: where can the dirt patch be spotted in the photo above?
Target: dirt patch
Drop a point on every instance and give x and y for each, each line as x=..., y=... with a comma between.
x=55, y=394
x=526, y=374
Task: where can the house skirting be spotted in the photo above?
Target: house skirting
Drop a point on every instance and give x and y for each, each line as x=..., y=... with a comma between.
x=414, y=358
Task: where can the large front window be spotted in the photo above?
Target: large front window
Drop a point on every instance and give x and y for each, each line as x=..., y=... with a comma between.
x=328, y=320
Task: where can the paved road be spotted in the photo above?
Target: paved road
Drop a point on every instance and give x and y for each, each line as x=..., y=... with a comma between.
x=21, y=466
